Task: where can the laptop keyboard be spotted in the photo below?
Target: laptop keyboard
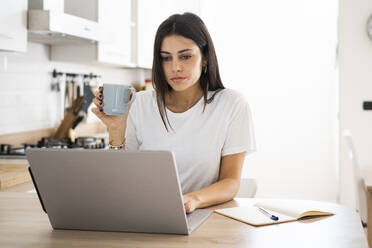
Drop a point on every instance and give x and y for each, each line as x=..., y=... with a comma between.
x=195, y=216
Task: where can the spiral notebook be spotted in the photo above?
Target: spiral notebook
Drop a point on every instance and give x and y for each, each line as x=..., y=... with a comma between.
x=286, y=212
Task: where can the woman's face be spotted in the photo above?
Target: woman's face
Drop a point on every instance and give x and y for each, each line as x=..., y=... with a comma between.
x=182, y=62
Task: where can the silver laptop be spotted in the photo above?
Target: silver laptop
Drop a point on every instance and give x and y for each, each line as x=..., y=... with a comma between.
x=109, y=190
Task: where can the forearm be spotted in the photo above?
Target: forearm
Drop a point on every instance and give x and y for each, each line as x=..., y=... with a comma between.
x=117, y=136
x=219, y=192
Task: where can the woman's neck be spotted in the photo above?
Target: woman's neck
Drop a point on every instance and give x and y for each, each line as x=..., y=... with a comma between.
x=181, y=101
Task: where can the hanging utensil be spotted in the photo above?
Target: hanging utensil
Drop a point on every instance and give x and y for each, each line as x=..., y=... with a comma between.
x=67, y=94
x=88, y=95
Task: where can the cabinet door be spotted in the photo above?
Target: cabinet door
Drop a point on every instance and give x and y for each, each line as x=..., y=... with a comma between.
x=115, y=15
x=13, y=25
x=150, y=14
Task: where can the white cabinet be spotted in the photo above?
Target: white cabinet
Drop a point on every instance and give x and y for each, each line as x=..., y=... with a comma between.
x=112, y=14
x=57, y=28
x=149, y=20
x=13, y=25
x=116, y=14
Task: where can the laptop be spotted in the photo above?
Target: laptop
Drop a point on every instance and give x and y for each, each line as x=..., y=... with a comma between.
x=110, y=190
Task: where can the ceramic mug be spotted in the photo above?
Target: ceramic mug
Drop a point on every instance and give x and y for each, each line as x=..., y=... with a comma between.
x=116, y=98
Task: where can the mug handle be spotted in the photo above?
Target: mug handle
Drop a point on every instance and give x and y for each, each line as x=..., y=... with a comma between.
x=133, y=90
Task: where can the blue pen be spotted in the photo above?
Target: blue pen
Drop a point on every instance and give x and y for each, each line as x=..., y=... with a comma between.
x=273, y=217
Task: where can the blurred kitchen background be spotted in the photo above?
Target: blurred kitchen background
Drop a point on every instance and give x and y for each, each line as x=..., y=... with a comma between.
x=304, y=66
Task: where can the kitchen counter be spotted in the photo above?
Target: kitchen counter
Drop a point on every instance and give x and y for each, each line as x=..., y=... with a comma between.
x=13, y=172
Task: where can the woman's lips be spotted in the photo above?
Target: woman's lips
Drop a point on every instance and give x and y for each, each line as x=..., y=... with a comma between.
x=177, y=79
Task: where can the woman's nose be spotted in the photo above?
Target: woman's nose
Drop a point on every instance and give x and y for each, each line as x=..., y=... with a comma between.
x=176, y=66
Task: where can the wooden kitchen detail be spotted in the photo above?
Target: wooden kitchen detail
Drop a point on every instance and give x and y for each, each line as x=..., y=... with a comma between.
x=13, y=172
x=14, y=175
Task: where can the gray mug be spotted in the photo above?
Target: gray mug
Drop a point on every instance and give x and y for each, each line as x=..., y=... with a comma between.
x=116, y=98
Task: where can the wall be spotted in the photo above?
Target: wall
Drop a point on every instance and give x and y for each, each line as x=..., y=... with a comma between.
x=282, y=56
x=27, y=102
x=355, y=56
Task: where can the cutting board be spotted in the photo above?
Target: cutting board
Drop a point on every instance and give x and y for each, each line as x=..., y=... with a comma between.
x=13, y=173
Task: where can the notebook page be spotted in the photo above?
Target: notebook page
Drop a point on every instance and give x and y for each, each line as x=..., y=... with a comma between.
x=293, y=209
x=252, y=215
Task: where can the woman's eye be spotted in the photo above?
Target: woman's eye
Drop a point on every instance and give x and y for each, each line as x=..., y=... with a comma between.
x=185, y=56
x=165, y=58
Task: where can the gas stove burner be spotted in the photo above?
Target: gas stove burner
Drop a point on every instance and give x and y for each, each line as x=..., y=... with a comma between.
x=5, y=148
x=53, y=143
x=8, y=150
x=88, y=142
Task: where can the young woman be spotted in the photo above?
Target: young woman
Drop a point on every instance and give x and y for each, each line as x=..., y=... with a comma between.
x=209, y=128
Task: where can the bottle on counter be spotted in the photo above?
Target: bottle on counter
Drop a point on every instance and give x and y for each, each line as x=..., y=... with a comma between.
x=139, y=86
x=148, y=83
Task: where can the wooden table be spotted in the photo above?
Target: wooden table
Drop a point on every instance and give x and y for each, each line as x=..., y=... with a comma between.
x=24, y=224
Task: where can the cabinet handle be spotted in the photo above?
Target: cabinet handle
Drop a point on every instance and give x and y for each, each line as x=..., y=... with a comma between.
x=86, y=29
x=6, y=36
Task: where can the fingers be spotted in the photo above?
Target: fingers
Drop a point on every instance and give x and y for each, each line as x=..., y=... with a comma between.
x=99, y=91
x=98, y=99
x=100, y=114
x=98, y=102
x=187, y=207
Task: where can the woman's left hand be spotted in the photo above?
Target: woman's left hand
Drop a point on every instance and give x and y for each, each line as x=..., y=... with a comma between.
x=190, y=202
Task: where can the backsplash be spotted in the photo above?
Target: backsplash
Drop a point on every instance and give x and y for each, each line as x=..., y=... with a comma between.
x=27, y=101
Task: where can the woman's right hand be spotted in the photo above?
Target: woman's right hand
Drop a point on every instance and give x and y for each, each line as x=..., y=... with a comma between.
x=114, y=123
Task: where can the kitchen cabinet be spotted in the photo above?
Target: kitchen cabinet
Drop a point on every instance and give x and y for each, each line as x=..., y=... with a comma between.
x=13, y=25
x=112, y=14
x=57, y=28
x=149, y=20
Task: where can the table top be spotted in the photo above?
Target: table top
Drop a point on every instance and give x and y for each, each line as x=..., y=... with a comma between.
x=24, y=224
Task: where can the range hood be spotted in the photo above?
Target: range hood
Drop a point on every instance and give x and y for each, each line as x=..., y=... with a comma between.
x=57, y=28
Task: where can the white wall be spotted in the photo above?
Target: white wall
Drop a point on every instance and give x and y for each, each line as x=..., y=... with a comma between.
x=355, y=52
x=27, y=103
x=282, y=56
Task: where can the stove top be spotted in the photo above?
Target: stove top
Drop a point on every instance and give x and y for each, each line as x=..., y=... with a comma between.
x=9, y=152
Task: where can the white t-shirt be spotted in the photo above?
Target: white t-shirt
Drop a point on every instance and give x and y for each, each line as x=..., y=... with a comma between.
x=199, y=140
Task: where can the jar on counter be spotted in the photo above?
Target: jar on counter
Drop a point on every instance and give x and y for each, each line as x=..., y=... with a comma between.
x=148, y=83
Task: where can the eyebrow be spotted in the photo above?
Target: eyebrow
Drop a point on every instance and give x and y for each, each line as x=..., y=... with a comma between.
x=180, y=51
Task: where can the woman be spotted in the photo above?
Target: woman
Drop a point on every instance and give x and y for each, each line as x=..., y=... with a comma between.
x=208, y=127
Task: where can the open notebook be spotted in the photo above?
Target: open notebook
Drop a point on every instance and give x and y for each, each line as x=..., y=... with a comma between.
x=284, y=211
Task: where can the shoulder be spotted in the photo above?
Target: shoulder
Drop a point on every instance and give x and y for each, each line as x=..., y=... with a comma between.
x=231, y=96
x=144, y=97
x=231, y=93
x=145, y=94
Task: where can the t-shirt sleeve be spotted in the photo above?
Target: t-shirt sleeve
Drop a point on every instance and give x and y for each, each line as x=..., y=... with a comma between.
x=131, y=140
x=240, y=134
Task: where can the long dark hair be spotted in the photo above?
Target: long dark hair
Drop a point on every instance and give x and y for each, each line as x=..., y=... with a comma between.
x=192, y=27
